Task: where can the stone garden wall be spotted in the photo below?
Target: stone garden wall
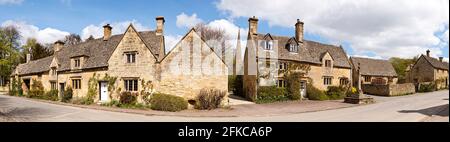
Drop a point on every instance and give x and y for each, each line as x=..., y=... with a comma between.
x=389, y=90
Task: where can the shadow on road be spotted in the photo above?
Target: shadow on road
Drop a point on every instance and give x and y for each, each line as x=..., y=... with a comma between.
x=437, y=110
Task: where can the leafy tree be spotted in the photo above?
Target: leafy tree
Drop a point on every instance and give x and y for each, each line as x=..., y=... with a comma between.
x=90, y=38
x=9, y=57
x=37, y=50
x=401, y=64
x=72, y=39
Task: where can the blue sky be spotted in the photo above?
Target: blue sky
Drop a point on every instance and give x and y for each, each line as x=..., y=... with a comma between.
x=369, y=29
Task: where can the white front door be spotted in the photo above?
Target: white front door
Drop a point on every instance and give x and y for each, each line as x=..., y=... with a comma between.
x=104, y=91
x=303, y=89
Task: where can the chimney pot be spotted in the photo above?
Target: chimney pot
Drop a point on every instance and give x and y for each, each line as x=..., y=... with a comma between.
x=160, y=25
x=28, y=58
x=58, y=45
x=299, y=30
x=107, y=31
x=253, y=25
x=441, y=59
x=428, y=53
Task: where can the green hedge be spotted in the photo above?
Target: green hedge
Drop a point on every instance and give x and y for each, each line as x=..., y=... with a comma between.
x=51, y=95
x=293, y=86
x=165, y=102
x=427, y=88
x=336, y=92
x=68, y=94
x=269, y=94
x=315, y=94
x=128, y=98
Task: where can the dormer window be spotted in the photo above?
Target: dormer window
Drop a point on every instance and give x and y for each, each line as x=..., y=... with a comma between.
x=267, y=45
x=77, y=63
x=328, y=63
x=293, y=48
x=53, y=71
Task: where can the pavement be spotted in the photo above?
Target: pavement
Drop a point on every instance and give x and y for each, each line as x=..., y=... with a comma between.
x=428, y=107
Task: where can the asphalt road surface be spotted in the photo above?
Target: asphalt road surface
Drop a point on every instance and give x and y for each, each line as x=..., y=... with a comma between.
x=429, y=107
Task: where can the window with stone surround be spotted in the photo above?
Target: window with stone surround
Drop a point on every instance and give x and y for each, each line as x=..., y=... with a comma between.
x=281, y=83
x=328, y=63
x=53, y=85
x=293, y=48
x=367, y=79
x=76, y=83
x=131, y=57
x=327, y=80
x=131, y=85
x=77, y=63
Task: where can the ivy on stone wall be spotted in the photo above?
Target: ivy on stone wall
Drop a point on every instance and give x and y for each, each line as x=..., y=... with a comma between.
x=93, y=87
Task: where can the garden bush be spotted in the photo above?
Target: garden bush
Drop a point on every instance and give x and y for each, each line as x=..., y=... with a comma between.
x=269, y=94
x=315, y=94
x=67, y=96
x=293, y=86
x=336, y=92
x=128, y=98
x=51, y=95
x=210, y=99
x=427, y=88
x=37, y=90
x=165, y=102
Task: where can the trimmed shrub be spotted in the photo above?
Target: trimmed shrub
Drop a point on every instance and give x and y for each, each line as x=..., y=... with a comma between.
x=165, y=102
x=210, y=99
x=128, y=98
x=293, y=86
x=37, y=90
x=235, y=84
x=336, y=92
x=68, y=94
x=270, y=94
x=427, y=87
x=51, y=95
x=315, y=94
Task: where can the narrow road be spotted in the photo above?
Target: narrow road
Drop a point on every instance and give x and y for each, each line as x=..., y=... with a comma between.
x=413, y=108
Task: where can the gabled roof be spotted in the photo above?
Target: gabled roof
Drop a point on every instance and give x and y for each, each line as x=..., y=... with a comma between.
x=436, y=63
x=309, y=51
x=97, y=53
x=374, y=67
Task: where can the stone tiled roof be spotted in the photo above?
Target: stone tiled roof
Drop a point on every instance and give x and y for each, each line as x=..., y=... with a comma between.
x=374, y=67
x=436, y=63
x=36, y=66
x=97, y=53
x=310, y=52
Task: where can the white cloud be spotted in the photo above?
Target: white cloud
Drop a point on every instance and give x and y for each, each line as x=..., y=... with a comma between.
x=445, y=36
x=2, y=2
x=47, y=35
x=231, y=31
x=402, y=28
x=171, y=41
x=118, y=28
x=184, y=20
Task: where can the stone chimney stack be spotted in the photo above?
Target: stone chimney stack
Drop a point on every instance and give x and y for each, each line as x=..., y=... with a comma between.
x=107, y=31
x=160, y=25
x=441, y=59
x=253, y=25
x=428, y=53
x=299, y=30
x=28, y=57
x=58, y=45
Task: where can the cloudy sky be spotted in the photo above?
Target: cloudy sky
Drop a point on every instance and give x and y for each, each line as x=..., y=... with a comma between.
x=368, y=28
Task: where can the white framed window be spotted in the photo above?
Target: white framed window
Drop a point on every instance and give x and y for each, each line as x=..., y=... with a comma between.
x=53, y=71
x=293, y=48
x=131, y=85
x=269, y=45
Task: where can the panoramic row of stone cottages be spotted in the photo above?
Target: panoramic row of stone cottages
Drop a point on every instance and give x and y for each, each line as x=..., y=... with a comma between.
x=138, y=61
